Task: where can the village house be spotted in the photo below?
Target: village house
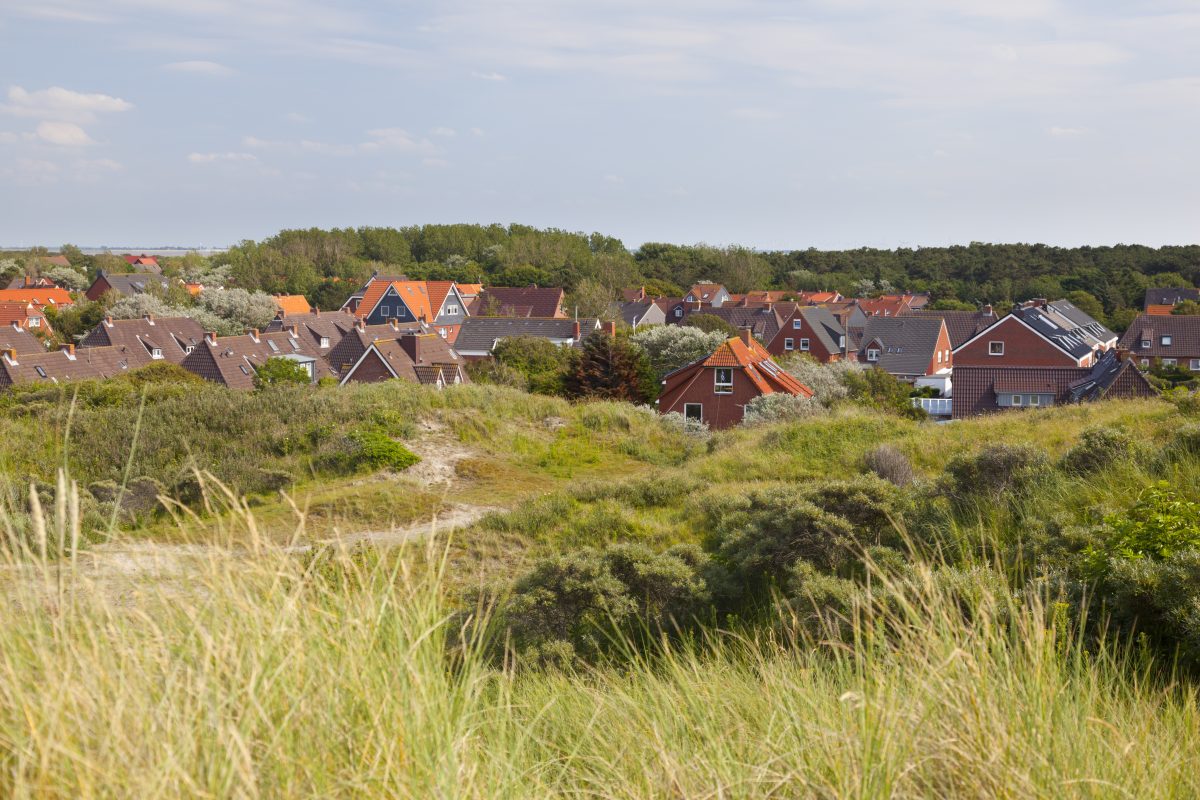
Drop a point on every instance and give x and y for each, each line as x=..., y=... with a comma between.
x=1168, y=340
x=985, y=390
x=30, y=282
x=480, y=335
x=1163, y=301
x=1038, y=334
x=144, y=263
x=323, y=331
x=291, y=304
x=23, y=315
x=435, y=302
x=68, y=364
x=961, y=325
x=232, y=361
x=914, y=349
x=715, y=389
x=764, y=322
x=424, y=358
x=163, y=338
x=19, y=339
x=127, y=284
x=637, y=313
x=707, y=294
x=355, y=341
x=39, y=297
x=811, y=330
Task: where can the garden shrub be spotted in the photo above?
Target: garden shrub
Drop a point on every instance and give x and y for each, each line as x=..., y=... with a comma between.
x=999, y=471
x=380, y=451
x=887, y=462
x=780, y=407
x=1098, y=449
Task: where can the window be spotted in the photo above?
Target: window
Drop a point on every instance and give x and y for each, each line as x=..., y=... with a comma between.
x=723, y=380
x=1145, y=362
x=1035, y=399
x=385, y=310
x=939, y=356
x=156, y=353
x=271, y=344
x=452, y=309
x=804, y=345
x=1146, y=343
x=34, y=322
x=40, y=371
x=872, y=354
x=1016, y=401
x=245, y=370
x=789, y=344
x=995, y=348
x=1165, y=341
x=796, y=324
x=1168, y=362
x=1195, y=365
x=324, y=341
x=187, y=350
x=693, y=411
x=679, y=312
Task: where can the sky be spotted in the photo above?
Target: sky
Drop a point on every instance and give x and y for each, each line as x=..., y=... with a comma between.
x=814, y=123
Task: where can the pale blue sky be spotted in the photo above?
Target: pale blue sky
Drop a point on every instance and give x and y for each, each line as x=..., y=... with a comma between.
x=830, y=123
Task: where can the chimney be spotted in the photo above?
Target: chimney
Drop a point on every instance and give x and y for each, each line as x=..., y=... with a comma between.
x=395, y=323
x=10, y=355
x=609, y=328
x=575, y=330
x=16, y=325
x=360, y=325
x=745, y=335
x=316, y=311
x=69, y=349
x=148, y=317
x=254, y=334
x=988, y=311
x=108, y=323
x=211, y=337
x=411, y=344
x=1122, y=353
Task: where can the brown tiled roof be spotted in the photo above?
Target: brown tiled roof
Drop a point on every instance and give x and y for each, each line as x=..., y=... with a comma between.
x=172, y=335
x=59, y=366
x=314, y=326
x=1184, y=331
x=20, y=339
x=351, y=345
x=763, y=322
x=232, y=360
x=531, y=301
x=419, y=357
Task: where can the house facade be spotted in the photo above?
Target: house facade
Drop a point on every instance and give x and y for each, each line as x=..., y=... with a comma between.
x=163, y=338
x=1038, y=334
x=1170, y=340
x=127, y=284
x=716, y=389
x=915, y=349
x=424, y=358
x=811, y=330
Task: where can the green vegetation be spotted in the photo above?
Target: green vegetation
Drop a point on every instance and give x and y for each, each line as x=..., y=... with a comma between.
x=280, y=370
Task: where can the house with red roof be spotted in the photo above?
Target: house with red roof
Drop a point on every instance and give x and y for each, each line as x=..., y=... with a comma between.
x=715, y=389
x=413, y=356
x=39, y=297
x=26, y=316
x=438, y=303
x=144, y=263
x=542, y=302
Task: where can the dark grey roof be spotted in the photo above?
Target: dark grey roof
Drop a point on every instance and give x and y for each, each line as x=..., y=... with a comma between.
x=131, y=283
x=908, y=344
x=764, y=323
x=961, y=325
x=480, y=334
x=1105, y=372
x=1083, y=321
x=633, y=313
x=1170, y=297
x=1184, y=331
x=824, y=325
x=1052, y=324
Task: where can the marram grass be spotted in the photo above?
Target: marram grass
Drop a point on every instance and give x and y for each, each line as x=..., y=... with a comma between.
x=263, y=671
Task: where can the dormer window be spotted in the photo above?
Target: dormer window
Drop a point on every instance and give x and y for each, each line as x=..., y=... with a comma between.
x=1147, y=344
x=1165, y=341
x=872, y=354
x=995, y=348
x=324, y=341
x=679, y=312
x=156, y=353
x=723, y=380
x=452, y=309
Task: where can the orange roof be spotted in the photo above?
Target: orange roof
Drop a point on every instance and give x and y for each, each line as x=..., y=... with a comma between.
x=1160, y=311
x=756, y=362
x=820, y=297
x=194, y=288
x=38, y=296
x=292, y=303
x=415, y=295
x=882, y=306
x=437, y=294
x=17, y=312
x=470, y=288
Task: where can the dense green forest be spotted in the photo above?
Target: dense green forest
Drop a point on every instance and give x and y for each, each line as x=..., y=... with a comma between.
x=325, y=265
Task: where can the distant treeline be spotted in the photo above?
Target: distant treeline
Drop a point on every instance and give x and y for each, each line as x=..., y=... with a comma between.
x=325, y=264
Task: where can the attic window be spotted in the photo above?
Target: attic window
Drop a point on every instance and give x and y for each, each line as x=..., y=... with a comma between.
x=40, y=371
x=1165, y=341
x=723, y=380
x=156, y=352
x=995, y=348
x=679, y=312
x=1146, y=344
x=274, y=347
x=452, y=309
x=872, y=354
x=245, y=370
x=189, y=349
x=796, y=324
x=324, y=341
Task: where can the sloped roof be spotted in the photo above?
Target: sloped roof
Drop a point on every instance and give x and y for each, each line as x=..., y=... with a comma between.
x=961, y=325
x=131, y=283
x=18, y=312
x=1108, y=368
x=58, y=366
x=292, y=303
x=480, y=334
x=39, y=296
x=764, y=323
x=172, y=335
x=907, y=343
x=976, y=388
x=1170, y=297
x=705, y=292
x=823, y=325
x=438, y=290
x=1184, y=331
x=232, y=360
x=19, y=339
x=755, y=362
x=354, y=342
x=419, y=357
x=1066, y=326
x=531, y=301
x=315, y=325
x=631, y=312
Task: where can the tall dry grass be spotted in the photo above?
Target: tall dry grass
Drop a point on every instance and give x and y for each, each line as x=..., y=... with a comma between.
x=260, y=670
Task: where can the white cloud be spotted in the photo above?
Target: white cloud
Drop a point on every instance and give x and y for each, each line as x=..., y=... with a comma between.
x=488, y=76
x=210, y=68
x=212, y=158
x=297, y=118
x=445, y=132
x=57, y=103
x=379, y=140
x=63, y=134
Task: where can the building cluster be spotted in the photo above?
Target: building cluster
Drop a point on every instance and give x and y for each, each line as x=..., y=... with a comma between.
x=1039, y=353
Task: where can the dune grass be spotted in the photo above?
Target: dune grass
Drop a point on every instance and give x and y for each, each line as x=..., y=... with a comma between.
x=256, y=670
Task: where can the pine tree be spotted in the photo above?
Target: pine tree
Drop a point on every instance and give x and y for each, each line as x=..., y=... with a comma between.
x=611, y=368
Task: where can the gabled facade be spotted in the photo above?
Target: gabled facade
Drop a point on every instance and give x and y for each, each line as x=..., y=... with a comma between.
x=424, y=358
x=707, y=294
x=354, y=342
x=811, y=330
x=637, y=313
x=1038, y=334
x=542, y=302
x=1164, y=341
x=23, y=315
x=911, y=348
x=1161, y=301
x=438, y=303
x=716, y=389
x=232, y=361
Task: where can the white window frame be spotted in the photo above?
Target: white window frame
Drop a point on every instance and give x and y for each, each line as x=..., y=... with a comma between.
x=992, y=351
x=1169, y=362
x=1147, y=344
x=452, y=308
x=797, y=324
x=1194, y=366
x=1165, y=341
x=719, y=386
x=873, y=354
x=34, y=322
x=1145, y=363
x=804, y=345
x=679, y=312
x=385, y=310
x=1017, y=401
x=1035, y=399
x=324, y=342
x=700, y=417
x=789, y=344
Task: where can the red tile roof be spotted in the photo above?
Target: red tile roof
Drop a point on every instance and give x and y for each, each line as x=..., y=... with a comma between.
x=40, y=296
x=292, y=303
x=754, y=359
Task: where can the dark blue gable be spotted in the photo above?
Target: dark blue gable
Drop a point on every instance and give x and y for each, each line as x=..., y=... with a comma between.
x=389, y=307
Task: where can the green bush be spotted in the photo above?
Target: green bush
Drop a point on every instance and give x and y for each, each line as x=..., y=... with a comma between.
x=1098, y=449
x=997, y=472
x=280, y=370
x=1160, y=524
x=379, y=451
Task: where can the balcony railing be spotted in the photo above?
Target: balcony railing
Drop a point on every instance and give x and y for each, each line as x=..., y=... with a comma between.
x=935, y=406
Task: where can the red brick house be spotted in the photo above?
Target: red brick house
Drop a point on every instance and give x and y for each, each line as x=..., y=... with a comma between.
x=1166, y=340
x=1038, y=334
x=232, y=361
x=812, y=330
x=23, y=315
x=911, y=348
x=716, y=389
x=985, y=390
